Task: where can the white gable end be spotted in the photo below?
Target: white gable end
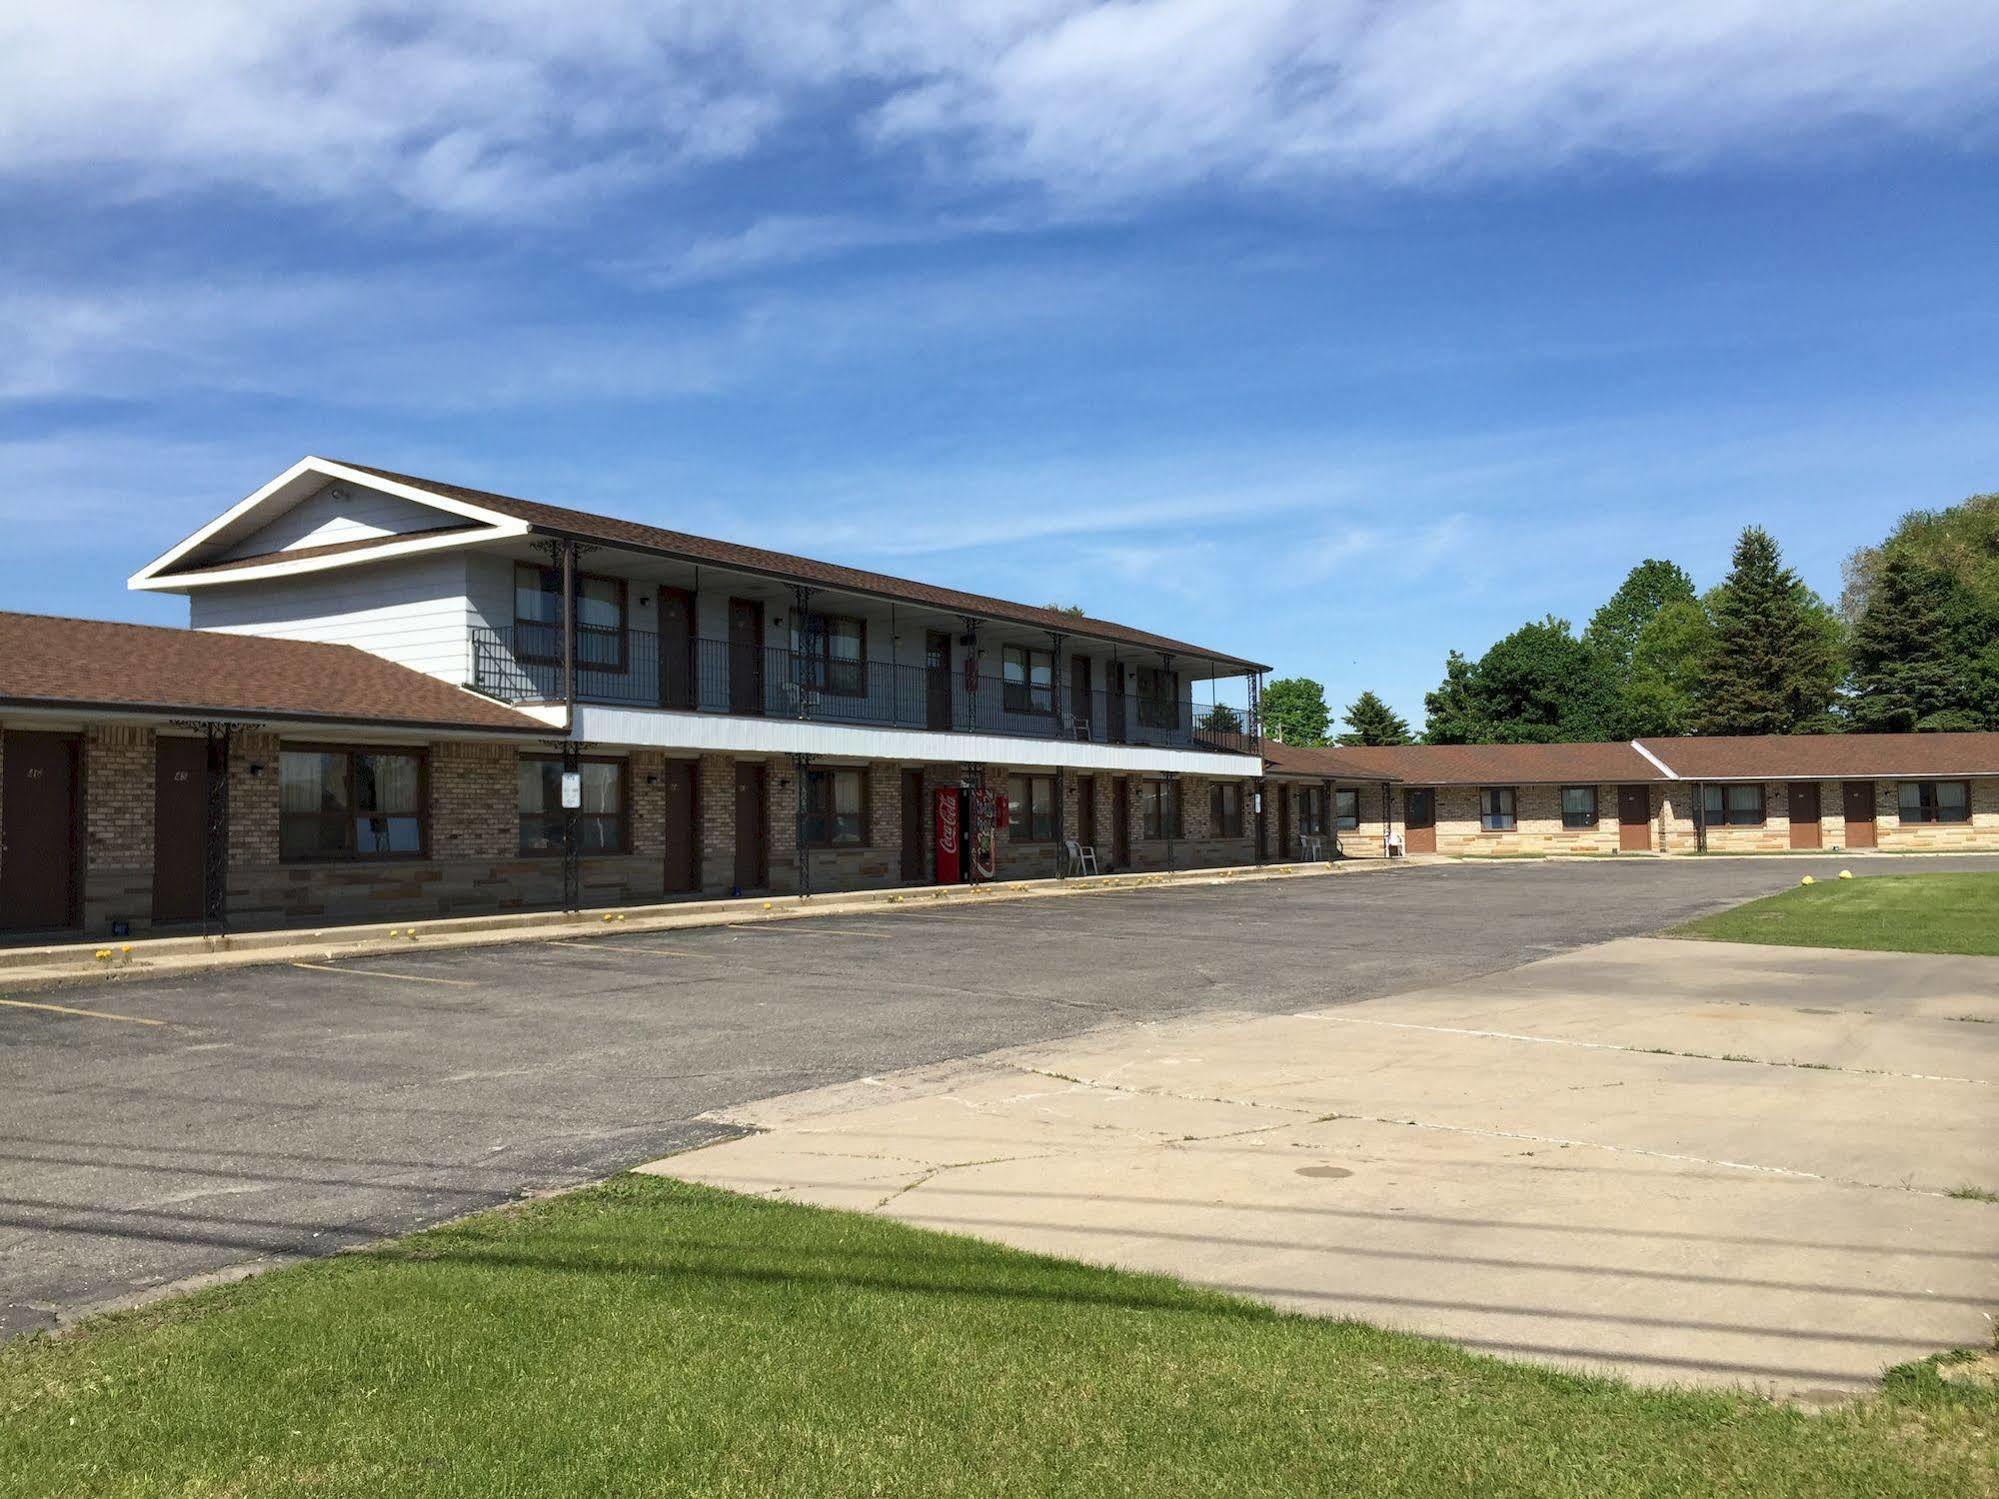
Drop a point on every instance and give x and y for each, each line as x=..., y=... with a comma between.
x=335, y=513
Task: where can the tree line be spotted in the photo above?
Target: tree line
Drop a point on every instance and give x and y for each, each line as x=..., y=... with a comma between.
x=1911, y=647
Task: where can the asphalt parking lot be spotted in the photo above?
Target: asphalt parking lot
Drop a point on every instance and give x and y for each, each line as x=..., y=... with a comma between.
x=192, y=1127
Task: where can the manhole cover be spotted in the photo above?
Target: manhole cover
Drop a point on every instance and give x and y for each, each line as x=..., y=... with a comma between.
x=1332, y=1172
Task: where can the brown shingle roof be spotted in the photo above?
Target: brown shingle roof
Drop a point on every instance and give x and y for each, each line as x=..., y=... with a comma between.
x=1502, y=764
x=95, y=663
x=1332, y=761
x=611, y=531
x=1828, y=756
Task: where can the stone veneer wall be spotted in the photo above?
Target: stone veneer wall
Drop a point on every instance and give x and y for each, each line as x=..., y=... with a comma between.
x=1538, y=819
x=1891, y=835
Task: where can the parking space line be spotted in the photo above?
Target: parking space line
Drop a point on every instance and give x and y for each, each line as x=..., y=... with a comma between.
x=376, y=973
x=29, y=1004
x=763, y=929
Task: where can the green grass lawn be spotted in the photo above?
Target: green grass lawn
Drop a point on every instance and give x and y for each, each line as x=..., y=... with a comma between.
x=645, y=1337
x=1939, y=913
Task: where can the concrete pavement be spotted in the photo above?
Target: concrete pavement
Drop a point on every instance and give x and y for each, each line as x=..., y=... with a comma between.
x=1682, y=1162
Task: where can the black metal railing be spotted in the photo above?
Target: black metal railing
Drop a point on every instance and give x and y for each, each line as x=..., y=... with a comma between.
x=523, y=663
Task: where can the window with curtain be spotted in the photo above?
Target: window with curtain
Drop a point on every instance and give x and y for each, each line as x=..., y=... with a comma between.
x=1495, y=809
x=351, y=804
x=835, y=808
x=600, y=618
x=1346, y=808
x=1733, y=806
x=1579, y=806
x=835, y=650
x=600, y=821
x=1027, y=679
x=1935, y=801
x=1031, y=808
x=1225, y=809
x=1158, y=809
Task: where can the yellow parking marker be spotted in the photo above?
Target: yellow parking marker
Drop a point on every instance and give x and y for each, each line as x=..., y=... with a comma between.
x=376, y=973
x=29, y=1004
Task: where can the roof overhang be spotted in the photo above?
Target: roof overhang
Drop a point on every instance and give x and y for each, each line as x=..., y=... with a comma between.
x=170, y=572
x=77, y=709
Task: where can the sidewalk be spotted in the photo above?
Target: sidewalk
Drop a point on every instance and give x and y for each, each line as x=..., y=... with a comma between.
x=31, y=968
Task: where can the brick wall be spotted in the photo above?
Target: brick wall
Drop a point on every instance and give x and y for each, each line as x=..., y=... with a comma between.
x=118, y=794
x=1538, y=818
x=1897, y=836
x=474, y=801
x=715, y=800
x=253, y=799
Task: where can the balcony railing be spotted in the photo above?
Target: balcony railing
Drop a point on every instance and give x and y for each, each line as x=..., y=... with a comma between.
x=628, y=668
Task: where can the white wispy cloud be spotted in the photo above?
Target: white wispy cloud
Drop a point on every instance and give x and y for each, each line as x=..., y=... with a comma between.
x=525, y=108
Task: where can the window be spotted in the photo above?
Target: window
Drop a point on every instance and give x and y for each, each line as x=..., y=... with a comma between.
x=834, y=648
x=1225, y=809
x=1028, y=678
x=600, y=820
x=1031, y=808
x=1312, y=810
x=1579, y=806
x=1158, y=698
x=600, y=618
x=351, y=804
x=835, y=808
x=1734, y=805
x=1936, y=801
x=1495, y=809
x=1158, y=809
x=1346, y=808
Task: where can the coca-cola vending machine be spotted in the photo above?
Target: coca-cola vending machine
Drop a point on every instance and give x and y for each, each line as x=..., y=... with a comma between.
x=949, y=842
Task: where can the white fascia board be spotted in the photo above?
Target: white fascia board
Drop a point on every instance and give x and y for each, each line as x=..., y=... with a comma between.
x=1671, y=774
x=389, y=550
x=319, y=469
x=731, y=734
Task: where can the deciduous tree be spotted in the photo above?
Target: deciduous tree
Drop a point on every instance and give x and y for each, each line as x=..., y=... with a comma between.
x=1294, y=711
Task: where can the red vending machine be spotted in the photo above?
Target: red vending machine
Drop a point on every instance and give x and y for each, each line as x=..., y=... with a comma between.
x=949, y=843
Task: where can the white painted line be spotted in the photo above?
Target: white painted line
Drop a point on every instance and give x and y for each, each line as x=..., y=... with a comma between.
x=376, y=973
x=29, y=1004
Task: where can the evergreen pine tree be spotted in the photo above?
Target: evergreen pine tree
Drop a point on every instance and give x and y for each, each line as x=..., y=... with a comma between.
x=1371, y=721
x=1775, y=667
x=1910, y=668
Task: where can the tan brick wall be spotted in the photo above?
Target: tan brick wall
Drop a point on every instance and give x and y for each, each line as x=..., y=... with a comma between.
x=1538, y=830
x=648, y=813
x=474, y=801
x=1981, y=832
x=253, y=799
x=715, y=800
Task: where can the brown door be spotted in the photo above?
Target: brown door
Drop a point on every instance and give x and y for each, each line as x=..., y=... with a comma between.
x=1634, y=819
x=1419, y=820
x=752, y=866
x=1859, y=798
x=1804, y=804
x=1114, y=727
x=746, y=656
x=915, y=847
x=40, y=823
x=937, y=681
x=676, y=648
x=1082, y=695
x=1086, y=811
x=683, y=846
x=180, y=829
x=1121, y=821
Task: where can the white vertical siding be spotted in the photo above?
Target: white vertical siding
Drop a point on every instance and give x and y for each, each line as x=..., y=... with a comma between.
x=414, y=612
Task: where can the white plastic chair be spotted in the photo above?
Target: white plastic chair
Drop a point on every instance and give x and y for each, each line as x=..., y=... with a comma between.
x=1391, y=844
x=1081, y=857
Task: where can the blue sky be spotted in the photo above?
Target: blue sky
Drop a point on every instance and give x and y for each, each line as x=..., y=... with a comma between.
x=1333, y=334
